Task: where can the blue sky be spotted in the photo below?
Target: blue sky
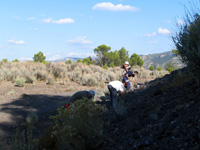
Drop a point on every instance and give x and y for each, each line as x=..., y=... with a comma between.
x=73, y=28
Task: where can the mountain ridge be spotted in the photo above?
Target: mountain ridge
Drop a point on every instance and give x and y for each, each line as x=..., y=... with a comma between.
x=157, y=59
x=161, y=59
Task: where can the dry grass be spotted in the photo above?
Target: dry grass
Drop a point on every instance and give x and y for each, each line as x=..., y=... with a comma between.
x=77, y=72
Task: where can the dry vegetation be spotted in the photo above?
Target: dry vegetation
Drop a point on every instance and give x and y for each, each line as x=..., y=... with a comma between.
x=96, y=76
x=28, y=86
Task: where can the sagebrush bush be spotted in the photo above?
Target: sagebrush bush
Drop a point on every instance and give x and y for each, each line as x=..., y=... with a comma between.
x=41, y=75
x=20, y=81
x=2, y=77
x=74, y=65
x=97, y=69
x=78, y=127
x=58, y=70
x=50, y=81
x=30, y=79
x=112, y=76
x=88, y=79
x=15, y=72
x=23, y=140
x=32, y=119
x=92, y=75
x=86, y=69
x=98, y=76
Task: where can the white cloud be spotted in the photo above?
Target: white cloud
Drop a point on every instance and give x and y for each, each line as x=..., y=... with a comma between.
x=112, y=7
x=150, y=34
x=79, y=40
x=31, y=18
x=20, y=42
x=60, y=21
x=163, y=31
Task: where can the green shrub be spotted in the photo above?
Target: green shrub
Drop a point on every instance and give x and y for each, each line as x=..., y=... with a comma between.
x=20, y=81
x=79, y=60
x=136, y=60
x=187, y=41
x=105, y=66
x=45, y=62
x=5, y=60
x=69, y=61
x=86, y=61
x=170, y=69
x=78, y=127
x=159, y=68
x=16, y=60
x=39, y=57
x=23, y=140
x=151, y=68
x=112, y=65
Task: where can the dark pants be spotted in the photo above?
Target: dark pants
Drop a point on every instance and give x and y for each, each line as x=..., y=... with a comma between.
x=125, y=79
x=113, y=96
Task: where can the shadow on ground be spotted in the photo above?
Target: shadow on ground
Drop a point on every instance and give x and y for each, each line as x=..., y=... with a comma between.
x=17, y=111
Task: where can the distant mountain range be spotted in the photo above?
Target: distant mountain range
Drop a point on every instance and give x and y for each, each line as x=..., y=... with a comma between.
x=66, y=58
x=159, y=59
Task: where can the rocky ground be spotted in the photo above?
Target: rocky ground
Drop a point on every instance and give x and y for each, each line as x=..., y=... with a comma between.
x=163, y=116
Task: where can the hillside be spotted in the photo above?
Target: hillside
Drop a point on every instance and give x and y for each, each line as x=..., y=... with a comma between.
x=164, y=116
x=161, y=59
